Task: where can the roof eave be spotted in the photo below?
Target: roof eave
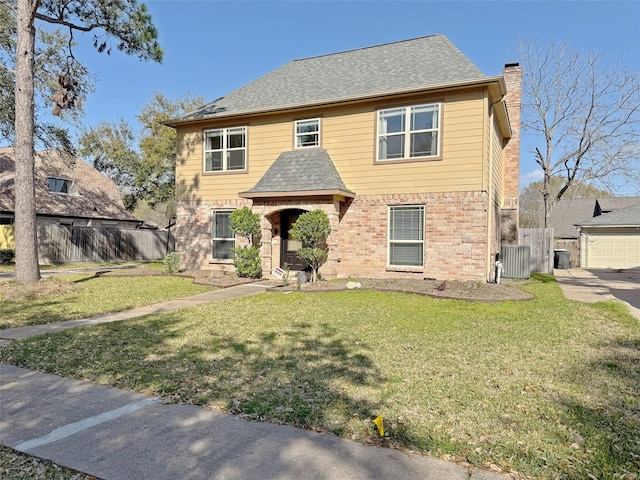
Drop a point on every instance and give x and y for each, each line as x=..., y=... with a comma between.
x=610, y=225
x=300, y=193
x=496, y=85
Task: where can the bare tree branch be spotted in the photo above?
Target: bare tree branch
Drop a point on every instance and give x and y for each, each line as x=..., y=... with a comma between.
x=584, y=114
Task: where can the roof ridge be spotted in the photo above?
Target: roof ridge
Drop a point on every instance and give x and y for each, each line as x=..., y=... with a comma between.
x=457, y=52
x=368, y=47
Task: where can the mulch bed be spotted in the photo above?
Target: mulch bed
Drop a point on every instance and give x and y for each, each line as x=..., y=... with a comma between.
x=453, y=289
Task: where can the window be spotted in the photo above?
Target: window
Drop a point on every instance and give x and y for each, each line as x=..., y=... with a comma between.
x=222, y=238
x=225, y=149
x=409, y=132
x=61, y=185
x=406, y=236
x=308, y=133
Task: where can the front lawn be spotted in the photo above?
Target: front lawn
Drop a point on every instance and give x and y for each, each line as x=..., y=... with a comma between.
x=546, y=388
x=69, y=297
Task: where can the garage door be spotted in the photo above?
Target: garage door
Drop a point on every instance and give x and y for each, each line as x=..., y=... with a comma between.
x=612, y=250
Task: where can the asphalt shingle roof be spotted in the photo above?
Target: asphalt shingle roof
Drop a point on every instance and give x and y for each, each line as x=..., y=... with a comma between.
x=384, y=69
x=305, y=170
x=97, y=196
x=627, y=216
x=567, y=213
x=570, y=212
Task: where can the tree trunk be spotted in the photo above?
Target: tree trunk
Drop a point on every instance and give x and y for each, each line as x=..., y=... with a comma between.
x=27, y=268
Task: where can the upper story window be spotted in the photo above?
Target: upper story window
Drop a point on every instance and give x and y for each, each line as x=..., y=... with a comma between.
x=62, y=185
x=225, y=149
x=308, y=133
x=409, y=132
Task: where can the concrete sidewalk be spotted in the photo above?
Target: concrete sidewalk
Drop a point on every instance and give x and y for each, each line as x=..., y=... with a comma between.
x=117, y=434
x=602, y=285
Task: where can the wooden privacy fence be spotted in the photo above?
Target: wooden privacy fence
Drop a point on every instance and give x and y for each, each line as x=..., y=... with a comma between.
x=66, y=244
x=540, y=241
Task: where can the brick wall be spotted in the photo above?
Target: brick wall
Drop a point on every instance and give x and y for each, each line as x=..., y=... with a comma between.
x=193, y=232
x=455, y=234
x=509, y=222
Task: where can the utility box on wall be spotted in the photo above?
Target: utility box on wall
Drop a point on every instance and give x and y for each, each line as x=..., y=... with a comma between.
x=516, y=261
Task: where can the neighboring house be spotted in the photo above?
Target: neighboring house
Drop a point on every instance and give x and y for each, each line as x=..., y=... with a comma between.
x=611, y=240
x=411, y=151
x=569, y=212
x=68, y=192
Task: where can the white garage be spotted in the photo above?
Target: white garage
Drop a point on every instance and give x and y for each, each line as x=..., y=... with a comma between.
x=611, y=240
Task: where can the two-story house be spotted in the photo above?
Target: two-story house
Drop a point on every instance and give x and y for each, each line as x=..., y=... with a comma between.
x=411, y=151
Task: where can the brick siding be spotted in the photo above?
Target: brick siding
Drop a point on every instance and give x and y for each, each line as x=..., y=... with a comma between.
x=456, y=237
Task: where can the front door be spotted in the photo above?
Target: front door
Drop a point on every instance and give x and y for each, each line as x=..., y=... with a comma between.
x=290, y=246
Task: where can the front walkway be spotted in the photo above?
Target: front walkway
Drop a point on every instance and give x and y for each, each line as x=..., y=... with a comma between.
x=229, y=293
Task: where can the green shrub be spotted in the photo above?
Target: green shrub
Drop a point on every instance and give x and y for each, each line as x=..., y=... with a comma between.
x=313, y=229
x=245, y=223
x=6, y=255
x=171, y=262
x=247, y=261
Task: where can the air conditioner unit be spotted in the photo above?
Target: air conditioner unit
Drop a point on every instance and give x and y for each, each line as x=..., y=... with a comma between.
x=516, y=261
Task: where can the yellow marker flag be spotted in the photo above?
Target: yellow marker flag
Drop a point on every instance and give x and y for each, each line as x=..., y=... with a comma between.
x=379, y=424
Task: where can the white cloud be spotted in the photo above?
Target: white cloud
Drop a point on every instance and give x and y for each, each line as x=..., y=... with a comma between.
x=532, y=176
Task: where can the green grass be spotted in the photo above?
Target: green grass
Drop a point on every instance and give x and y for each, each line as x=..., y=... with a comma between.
x=81, y=296
x=547, y=388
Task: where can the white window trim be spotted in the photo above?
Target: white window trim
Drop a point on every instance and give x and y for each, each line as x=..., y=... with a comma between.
x=407, y=133
x=74, y=189
x=389, y=241
x=297, y=135
x=225, y=150
x=213, y=239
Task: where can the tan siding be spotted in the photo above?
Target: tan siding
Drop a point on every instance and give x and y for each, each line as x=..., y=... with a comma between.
x=348, y=134
x=497, y=164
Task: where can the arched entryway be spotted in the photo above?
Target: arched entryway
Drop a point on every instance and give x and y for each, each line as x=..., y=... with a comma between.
x=289, y=258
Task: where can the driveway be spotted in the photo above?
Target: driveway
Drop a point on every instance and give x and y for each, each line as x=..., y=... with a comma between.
x=599, y=285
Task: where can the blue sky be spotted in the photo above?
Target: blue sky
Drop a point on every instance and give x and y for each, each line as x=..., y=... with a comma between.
x=214, y=47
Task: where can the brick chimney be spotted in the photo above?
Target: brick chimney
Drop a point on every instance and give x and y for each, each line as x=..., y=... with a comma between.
x=512, y=75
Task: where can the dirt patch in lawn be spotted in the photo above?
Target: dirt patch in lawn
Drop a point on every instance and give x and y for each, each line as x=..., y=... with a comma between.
x=463, y=290
x=47, y=287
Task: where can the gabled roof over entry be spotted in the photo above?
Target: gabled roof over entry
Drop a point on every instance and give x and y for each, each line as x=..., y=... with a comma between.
x=304, y=172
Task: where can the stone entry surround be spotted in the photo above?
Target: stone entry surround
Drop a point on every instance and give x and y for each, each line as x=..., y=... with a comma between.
x=457, y=244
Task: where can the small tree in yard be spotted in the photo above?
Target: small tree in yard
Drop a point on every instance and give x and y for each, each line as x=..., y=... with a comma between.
x=313, y=229
x=246, y=258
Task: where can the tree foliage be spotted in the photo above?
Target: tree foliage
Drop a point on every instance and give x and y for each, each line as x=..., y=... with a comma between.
x=531, y=202
x=142, y=163
x=50, y=59
x=123, y=22
x=313, y=229
x=584, y=115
